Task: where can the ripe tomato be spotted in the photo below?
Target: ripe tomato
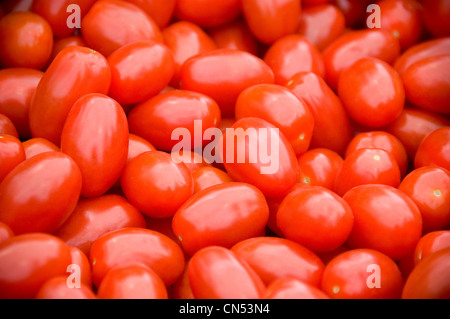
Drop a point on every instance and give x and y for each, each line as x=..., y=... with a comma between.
x=96, y=124
x=434, y=149
x=362, y=274
x=429, y=187
x=138, y=145
x=220, y=215
x=11, y=154
x=191, y=158
x=56, y=288
x=17, y=5
x=235, y=35
x=5, y=232
x=320, y=227
x=61, y=43
x=132, y=282
x=229, y=72
x=38, y=145
x=292, y=116
x=7, y=126
x=41, y=207
x=271, y=20
x=291, y=288
x=181, y=289
x=26, y=41
x=82, y=71
x=161, y=11
x=386, y=220
x=274, y=258
x=436, y=16
x=94, y=217
x=110, y=24
x=131, y=245
x=79, y=262
x=354, y=12
x=207, y=176
x=27, y=261
x=218, y=273
x=431, y=243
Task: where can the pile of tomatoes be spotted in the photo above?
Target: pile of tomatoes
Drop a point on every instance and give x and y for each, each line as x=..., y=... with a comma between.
x=96, y=203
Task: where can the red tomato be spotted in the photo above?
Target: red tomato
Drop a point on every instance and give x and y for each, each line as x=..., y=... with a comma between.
x=354, y=45
x=27, y=261
x=271, y=20
x=192, y=159
x=431, y=243
x=17, y=5
x=274, y=258
x=56, y=288
x=320, y=227
x=218, y=273
x=256, y=152
x=26, y=41
x=161, y=11
x=110, y=24
x=429, y=187
x=372, y=92
x=18, y=86
x=382, y=140
x=229, y=72
x=133, y=245
x=38, y=145
x=138, y=145
x=209, y=13
x=11, y=154
x=40, y=193
x=82, y=71
x=367, y=166
x=332, y=131
x=80, y=268
x=292, y=54
x=427, y=84
x=207, y=176
x=186, y=39
x=132, y=282
x=221, y=215
x=436, y=14
x=362, y=274
x=94, y=217
x=96, y=124
x=354, y=12
x=434, y=149
x=429, y=279
x=156, y=185
x=322, y=24
x=291, y=288
x=181, y=289
x=7, y=126
x=235, y=35
x=64, y=42
x=386, y=220
x=292, y=116
x=175, y=120
x=5, y=232
x=319, y=167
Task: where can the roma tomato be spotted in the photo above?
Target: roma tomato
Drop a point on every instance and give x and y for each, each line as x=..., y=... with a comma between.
x=218, y=273
x=138, y=145
x=292, y=116
x=7, y=126
x=57, y=288
x=235, y=35
x=436, y=16
x=354, y=12
x=94, y=217
x=38, y=145
x=362, y=274
x=96, y=124
x=291, y=288
x=28, y=205
x=207, y=176
x=191, y=158
x=431, y=243
x=274, y=258
x=373, y=205
x=27, y=261
x=221, y=215
x=181, y=289
x=61, y=43
x=161, y=11
x=82, y=71
x=12, y=154
x=229, y=72
x=321, y=228
x=110, y=24
x=5, y=232
x=79, y=268
x=434, y=149
x=133, y=245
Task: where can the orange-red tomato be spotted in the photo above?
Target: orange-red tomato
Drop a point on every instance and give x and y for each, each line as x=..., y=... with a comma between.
x=434, y=149
x=5, y=232
x=161, y=11
x=38, y=145
x=431, y=243
x=7, y=126
x=12, y=154
x=291, y=288
x=436, y=17
x=138, y=145
x=235, y=35
x=207, y=176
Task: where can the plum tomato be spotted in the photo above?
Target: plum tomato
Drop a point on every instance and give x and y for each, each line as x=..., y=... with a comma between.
x=12, y=154
x=291, y=288
x=434, y=149
x=38, y=145
x=7, y=126
x=79, y=261
x=235, y=35
x=436, y=14
x=207, y=176
x=138, y=145
x=57, y=288
x=431, y=243
x=5, y=232
x=161, y=11
x=61, y=43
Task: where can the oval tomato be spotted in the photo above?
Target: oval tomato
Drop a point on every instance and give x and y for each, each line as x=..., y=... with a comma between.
x=12, y=154
x=7, y=126
x=56, y=288
x=79, y=261
x=430, y=244
x=38, y=145
x=434, y=149
x=5, y=232
x=207, y=176
x=436, y=17
x=291, y=288
x=138, y=145
x=235, y=35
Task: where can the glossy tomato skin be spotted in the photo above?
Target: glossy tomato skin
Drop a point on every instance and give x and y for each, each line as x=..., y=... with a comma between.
x=94, y=217
x=138, y=145
x=56, y=288
x=244, y=160
x=133, y=245
x=161, y=11
x=348, y=275
x=429, y=187
x=271, y=20
x=79, y=261
x=63, y=42
x=292, y=116
x=110, y=24
x=207, y=176
x=28, y=261
x=332, y=131
x=274, y=258
x=436, y=17
x=38, y=145
x=235, y=35
x=11, y=154
x=26, y=41
x=434, y=149
x=320, y=228
x=218, y=273
x=429, y=279
x=82, y=71
x=96, y=124
x=191, y=158
x=132, y=282
x=206, y=218
x=139, y=71
x=164, y=119
x=399, y=236
x=291, y=288
x=40, y=209
x=7, y=126
x=156, y=185
x=18, y=86
x=181, y=289
x=224, y=83
x=5, y=232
